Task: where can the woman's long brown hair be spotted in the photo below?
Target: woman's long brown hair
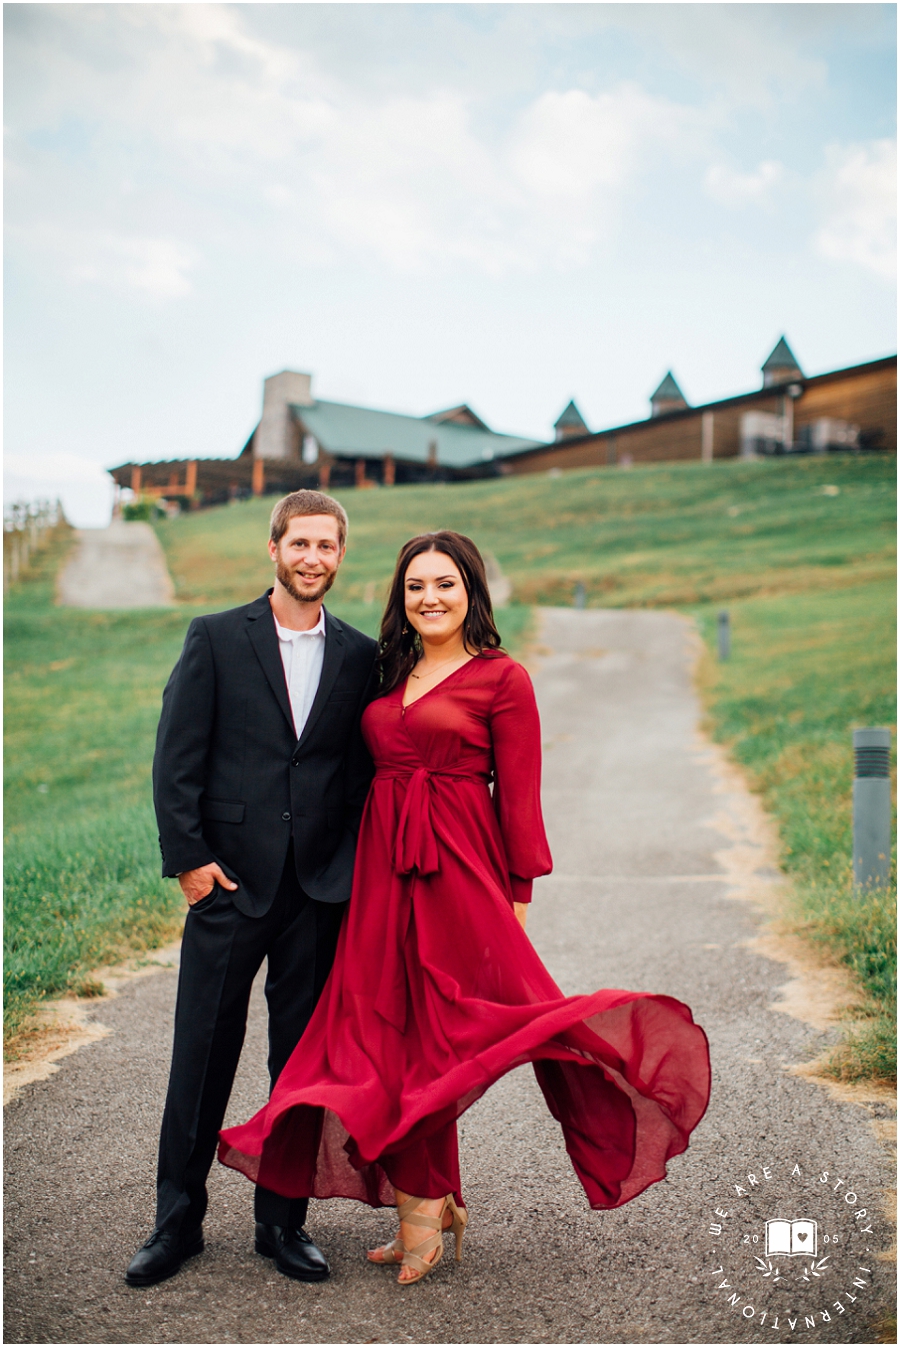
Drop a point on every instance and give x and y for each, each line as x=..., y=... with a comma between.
x=400, y=646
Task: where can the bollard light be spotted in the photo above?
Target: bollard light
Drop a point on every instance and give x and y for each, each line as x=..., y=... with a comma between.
x=580, y=599
x=724, y=635
x=871, y=808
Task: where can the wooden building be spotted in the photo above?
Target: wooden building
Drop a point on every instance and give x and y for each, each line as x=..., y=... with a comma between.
x=853, y=408
x=302, y=441
x=305, y=441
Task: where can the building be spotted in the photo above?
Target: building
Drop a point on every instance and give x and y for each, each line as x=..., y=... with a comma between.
x=303, y=441
x=853, y=408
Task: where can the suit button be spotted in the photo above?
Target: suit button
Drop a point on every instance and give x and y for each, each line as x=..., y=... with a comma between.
x=295, y=762
x=286, y=817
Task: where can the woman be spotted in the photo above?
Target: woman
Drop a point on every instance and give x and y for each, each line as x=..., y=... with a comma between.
x=436, y=991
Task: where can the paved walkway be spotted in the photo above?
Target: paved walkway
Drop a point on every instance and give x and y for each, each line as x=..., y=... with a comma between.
x=121, y=566
x=658, y=856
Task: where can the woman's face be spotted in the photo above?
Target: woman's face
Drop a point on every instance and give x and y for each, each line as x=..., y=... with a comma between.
x=435, y=597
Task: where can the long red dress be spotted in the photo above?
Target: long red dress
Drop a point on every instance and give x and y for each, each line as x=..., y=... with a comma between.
x=436, y=991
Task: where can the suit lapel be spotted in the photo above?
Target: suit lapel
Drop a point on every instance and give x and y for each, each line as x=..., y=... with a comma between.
x=264, y=639
x=331, y=664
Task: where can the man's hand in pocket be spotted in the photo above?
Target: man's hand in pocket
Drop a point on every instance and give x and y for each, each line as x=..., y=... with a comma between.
x=197, y=884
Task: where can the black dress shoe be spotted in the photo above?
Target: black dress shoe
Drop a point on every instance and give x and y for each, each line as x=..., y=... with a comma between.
x=294, y=1252
x=162, y=1256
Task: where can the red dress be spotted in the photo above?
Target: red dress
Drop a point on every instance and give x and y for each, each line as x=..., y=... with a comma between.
x=436, y=991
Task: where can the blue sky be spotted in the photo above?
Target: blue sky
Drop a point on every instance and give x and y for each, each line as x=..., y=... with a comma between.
x=508, y=205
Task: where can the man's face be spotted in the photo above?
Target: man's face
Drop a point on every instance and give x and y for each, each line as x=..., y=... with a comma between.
x=307, y=557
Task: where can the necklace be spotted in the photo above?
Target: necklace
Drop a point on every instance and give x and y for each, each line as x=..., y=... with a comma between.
x=434, y=671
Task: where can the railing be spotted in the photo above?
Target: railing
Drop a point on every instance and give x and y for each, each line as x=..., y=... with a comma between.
x=27, y=526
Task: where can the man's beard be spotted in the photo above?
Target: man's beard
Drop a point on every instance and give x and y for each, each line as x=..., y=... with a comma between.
x=286, y=578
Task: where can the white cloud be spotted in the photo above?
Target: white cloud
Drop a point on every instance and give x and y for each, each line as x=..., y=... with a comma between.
x=859, y=194
x=570, y=144
x=155, y=269
x=732, y=188
x=415, y=178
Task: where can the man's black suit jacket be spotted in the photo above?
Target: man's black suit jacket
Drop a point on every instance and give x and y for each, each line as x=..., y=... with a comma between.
x=231, y=781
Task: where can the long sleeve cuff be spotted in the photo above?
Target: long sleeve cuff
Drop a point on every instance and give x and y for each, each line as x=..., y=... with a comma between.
x=521, y=889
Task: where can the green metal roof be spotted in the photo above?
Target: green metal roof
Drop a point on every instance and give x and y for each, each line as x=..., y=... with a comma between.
x=361, y=433
x=782, y=357
x=668, y=389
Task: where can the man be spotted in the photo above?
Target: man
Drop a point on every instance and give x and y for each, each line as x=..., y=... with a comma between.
x=260, y=777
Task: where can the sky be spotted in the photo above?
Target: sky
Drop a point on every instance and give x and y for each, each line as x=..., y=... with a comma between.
x=426, y=204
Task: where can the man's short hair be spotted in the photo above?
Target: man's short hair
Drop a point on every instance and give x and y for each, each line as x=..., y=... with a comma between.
x=302, y=503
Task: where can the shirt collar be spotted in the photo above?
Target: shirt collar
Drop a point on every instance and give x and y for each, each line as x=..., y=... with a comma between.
x=288, y=633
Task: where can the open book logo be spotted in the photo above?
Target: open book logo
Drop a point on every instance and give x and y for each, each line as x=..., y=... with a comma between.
x=784, y=1239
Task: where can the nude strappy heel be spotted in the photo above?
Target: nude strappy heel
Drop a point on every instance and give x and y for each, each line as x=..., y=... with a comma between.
x=416, y=1258
x=460, y=1221
x=390, y=1253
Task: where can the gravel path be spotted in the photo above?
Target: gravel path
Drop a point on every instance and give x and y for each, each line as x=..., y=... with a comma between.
x=121, y=566
x=657, y=855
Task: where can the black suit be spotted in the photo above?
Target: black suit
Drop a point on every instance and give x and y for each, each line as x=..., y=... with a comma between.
x=233, y=784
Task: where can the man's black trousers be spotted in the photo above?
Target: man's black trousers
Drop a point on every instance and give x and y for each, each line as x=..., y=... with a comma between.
x=221, y=953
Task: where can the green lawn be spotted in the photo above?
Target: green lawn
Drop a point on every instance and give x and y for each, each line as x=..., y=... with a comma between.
x=674, y=534
x=82, y=878
x=806, y=573
x=804, y=671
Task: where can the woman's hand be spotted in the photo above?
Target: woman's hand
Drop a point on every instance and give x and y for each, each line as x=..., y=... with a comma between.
x=521, y=911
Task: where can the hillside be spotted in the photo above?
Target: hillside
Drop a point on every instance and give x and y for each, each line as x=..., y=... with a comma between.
x=807, y=575
x=674, y=534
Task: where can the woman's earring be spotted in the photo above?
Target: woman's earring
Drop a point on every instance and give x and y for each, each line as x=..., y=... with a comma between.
x=405, y=631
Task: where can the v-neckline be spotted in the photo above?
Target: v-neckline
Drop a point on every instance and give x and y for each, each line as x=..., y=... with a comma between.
x=404, y=709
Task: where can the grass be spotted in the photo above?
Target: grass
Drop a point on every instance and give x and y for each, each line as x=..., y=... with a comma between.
x=807, y=575
x=82, y=879
x=803, y=673
x=673, y=534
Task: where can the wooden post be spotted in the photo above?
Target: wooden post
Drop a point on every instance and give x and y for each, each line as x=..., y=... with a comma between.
x=190, y=483
x=360, y=472
x=706, y=437
x=432, y=454
x=324, y=476
x=136, y=480
x=259, y=476
x=389, y=470
x=787, y=412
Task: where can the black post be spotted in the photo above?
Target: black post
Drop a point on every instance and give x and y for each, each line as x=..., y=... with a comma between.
x=871, y=808
x=724, y=635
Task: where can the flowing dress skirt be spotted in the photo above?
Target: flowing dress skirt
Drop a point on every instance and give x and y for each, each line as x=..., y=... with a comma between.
x=437, y=992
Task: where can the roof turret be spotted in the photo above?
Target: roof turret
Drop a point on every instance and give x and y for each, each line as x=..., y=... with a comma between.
x=570, y=422
x=668, y=397
x=781, y=366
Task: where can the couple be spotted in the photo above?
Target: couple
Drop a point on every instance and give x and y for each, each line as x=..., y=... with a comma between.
x=274, y=722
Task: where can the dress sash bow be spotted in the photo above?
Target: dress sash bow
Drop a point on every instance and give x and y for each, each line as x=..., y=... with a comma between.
x=415, y=854
x=415, y=845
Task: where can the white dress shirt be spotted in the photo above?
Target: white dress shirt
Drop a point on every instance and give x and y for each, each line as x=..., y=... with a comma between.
x=302, y=653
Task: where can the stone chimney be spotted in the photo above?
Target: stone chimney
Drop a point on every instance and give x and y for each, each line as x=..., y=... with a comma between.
x=278, y=435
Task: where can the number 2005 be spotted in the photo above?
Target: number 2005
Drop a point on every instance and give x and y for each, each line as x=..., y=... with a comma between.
x=754, y=1239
